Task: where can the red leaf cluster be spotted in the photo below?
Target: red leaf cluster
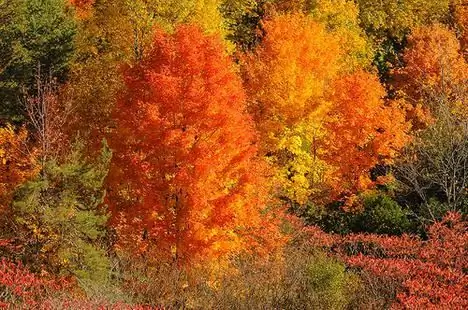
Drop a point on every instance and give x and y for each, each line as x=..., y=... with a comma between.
x=431, y=273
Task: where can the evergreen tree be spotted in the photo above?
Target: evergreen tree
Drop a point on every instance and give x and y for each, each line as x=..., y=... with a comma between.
x=36, y=38
x=61, y=218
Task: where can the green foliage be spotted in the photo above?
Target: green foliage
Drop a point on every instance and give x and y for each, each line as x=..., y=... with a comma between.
x=388, y=55
x=330, y=281
x=394, y=18
x=61, y=217
x=382, y=215
x=330, y=218
x=36, y=37
x=387, y=22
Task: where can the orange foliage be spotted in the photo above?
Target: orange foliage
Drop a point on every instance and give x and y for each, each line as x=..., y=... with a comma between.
x=185, y=183
x=322, y=129
x=82, y=4
x=460, y=12
x=363, y=131
x=434, y=65
x=16, y=165
x=287, y=76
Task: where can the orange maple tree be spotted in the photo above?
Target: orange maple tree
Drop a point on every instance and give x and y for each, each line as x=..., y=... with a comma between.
x=434, y=68
x=322, y=127
x=362, y=131
x=185, y=182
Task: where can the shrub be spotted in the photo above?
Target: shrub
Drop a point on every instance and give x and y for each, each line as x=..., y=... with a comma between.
x=381, y=215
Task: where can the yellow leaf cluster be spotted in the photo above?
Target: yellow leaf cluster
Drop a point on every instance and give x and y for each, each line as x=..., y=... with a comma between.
x=287, y=80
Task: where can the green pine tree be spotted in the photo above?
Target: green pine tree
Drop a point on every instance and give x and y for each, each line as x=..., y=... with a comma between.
x=62, y=219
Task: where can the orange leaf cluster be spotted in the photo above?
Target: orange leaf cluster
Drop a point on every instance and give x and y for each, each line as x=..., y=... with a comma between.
x=16, y=164
x=287, y=77
x=362, y=131
x=433, y=65
x=185, y=182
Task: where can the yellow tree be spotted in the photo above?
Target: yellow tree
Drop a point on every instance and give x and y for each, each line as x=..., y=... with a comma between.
x=287, y=78
x=342, y=19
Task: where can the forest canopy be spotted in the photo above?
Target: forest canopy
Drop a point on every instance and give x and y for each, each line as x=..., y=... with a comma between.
x=233, y=154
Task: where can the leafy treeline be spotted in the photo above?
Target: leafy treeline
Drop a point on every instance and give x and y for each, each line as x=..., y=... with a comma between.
x=169, y=153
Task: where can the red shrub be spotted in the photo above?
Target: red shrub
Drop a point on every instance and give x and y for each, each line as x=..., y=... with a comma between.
x=19, y=286
x=431, y=273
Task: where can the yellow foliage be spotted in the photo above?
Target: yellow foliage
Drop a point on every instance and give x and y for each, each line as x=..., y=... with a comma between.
x=287, y=80
x=342, y=19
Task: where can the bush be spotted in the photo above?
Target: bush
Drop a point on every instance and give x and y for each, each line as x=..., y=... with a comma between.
x=302, y=278
x=381, y=215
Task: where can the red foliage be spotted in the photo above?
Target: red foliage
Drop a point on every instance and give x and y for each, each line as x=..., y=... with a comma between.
x=431, y=273
x=19, y=286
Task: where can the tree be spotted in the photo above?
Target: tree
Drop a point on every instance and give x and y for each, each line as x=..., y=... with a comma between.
x=362, y=131
x=434, y=166
x=304, y=102
x=243, y=19
x=60, y=219
x=112, y=34
x=434, y=70
x=185, y=183
x=287, y=79
x=35, y=35
x=341, y=18
x=16, y=164
x=388, y=22
x=460, y=15
x=47, y=115
x=395, y=18
x=205, y=13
